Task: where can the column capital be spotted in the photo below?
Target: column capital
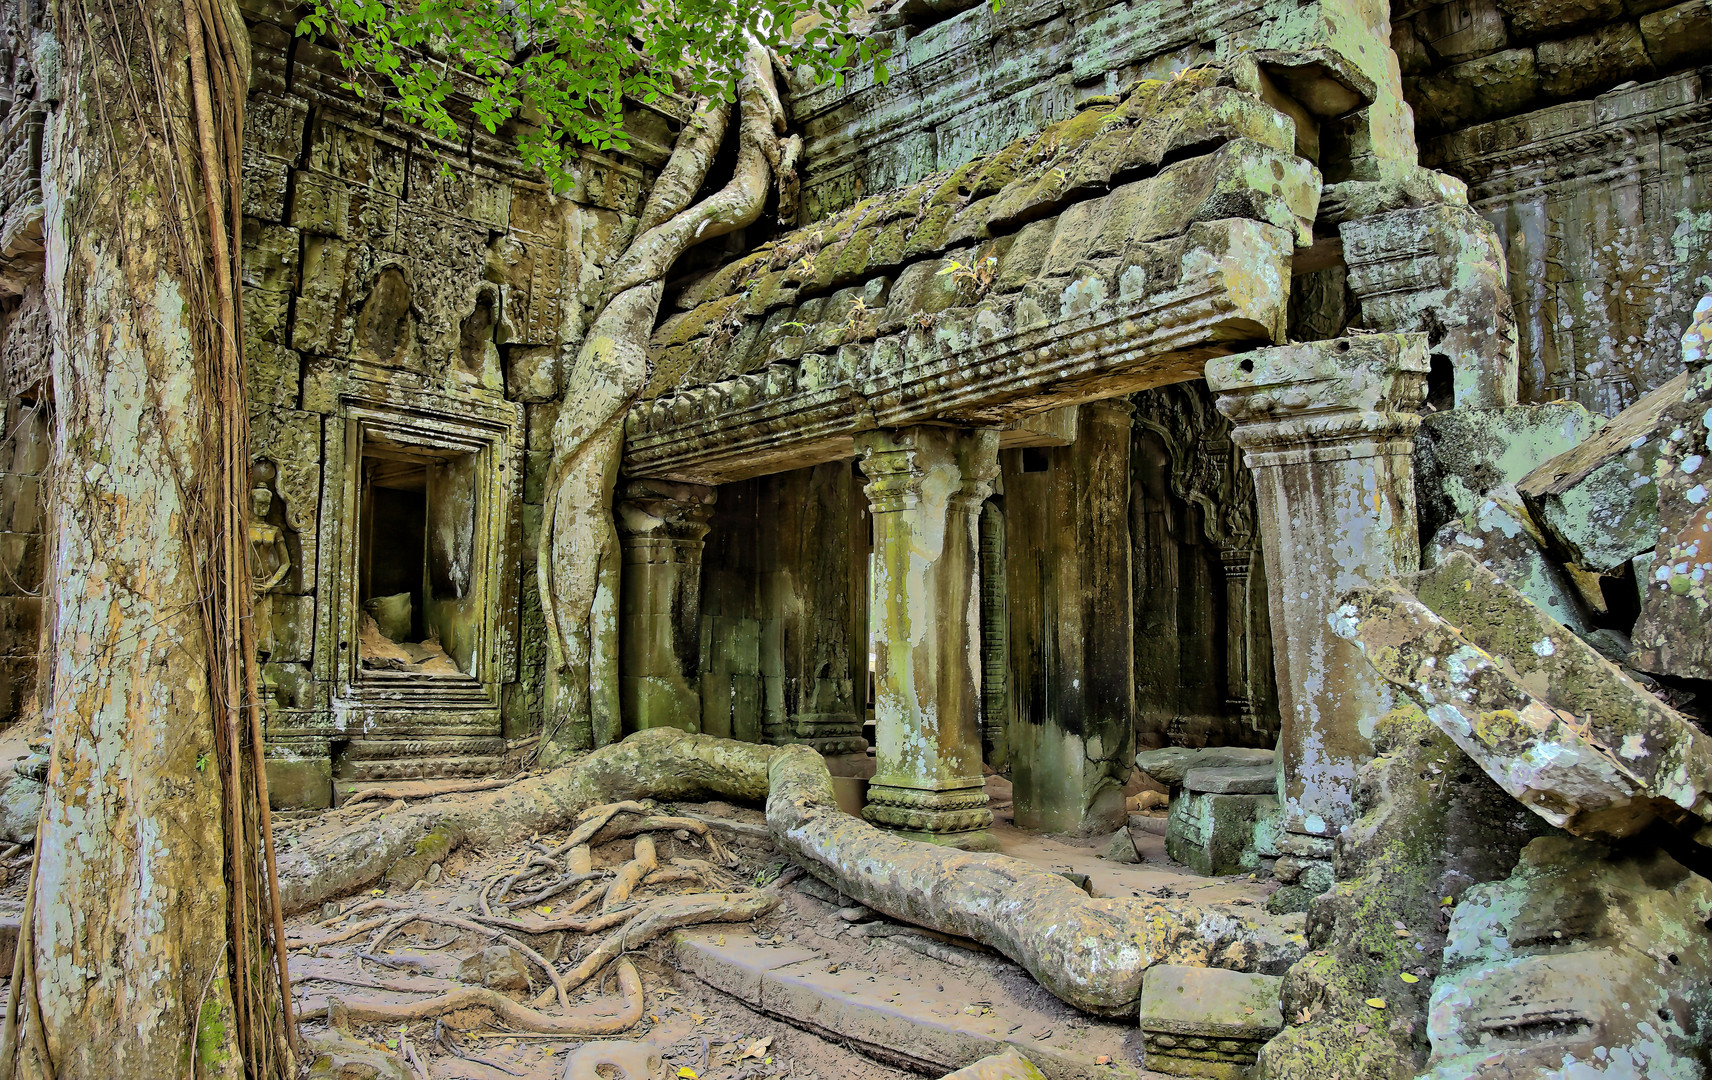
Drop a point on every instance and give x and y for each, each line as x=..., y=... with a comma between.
x=663, y=509
x=1348, y=397
x=902, y=463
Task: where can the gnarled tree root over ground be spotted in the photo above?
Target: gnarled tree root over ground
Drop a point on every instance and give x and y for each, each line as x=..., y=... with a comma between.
x=1089, y=952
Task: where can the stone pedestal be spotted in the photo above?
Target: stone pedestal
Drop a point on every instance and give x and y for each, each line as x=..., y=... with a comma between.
x=661, y=526
x=1327, y=428
x=925, y=490
x=1072, y=627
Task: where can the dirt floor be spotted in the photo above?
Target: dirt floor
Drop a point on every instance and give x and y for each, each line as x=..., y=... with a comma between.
x=698, y=1030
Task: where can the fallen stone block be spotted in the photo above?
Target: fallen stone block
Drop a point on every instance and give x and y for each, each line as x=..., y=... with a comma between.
x=1121, y=848
x=1504, y=539
x=1553, y=722
x=1234, y=780
x=1581, y=955
x=1599, y=501
x=334, y=1055
x=1171, y=764
x=1215, y=824
x=1432, y=826
x=1207, y=1021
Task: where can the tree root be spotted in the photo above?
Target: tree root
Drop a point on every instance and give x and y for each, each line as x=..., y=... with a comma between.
x=646, y=764
x=670, y=913
x=399, y=921
x=333, y=939
x=644, y=862
x=585, y=1021
x=1089, y=952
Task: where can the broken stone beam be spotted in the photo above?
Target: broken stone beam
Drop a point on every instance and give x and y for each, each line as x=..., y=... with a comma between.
x=1327, y=427
x=1550, y=720
x=661, y=526
x=925, y=489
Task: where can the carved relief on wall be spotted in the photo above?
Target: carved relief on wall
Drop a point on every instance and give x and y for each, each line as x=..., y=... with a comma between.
x=1206, y=470
x=24, y=97
x=1204, y=665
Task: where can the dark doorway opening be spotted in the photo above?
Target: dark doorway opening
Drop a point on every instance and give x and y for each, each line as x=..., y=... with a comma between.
x=416, y=550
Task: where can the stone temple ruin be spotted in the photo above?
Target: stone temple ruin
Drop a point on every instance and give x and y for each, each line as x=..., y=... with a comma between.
x=1306, y=402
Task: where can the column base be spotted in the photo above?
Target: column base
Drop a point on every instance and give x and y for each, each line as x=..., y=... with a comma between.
x=958, y=817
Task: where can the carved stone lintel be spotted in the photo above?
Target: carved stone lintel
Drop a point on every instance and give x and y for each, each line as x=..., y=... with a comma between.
x=1328, y=429
x=925, y=488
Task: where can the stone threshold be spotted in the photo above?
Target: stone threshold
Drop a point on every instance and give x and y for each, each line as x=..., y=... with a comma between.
x=930, y=1028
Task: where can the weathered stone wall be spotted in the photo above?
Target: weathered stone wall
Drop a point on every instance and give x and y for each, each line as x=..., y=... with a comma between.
x=783, y=610
x=1203, y=655
x=1582, y=130
x=974, y=82
x=417, y=296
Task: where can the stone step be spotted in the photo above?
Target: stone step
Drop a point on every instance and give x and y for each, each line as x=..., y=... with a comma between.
x=930, y=1027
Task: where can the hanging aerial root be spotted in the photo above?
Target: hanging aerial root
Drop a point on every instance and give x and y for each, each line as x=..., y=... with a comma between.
x=587, y=1021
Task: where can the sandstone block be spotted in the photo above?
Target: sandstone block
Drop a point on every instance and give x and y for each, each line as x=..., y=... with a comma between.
x=1671, y=637
x=1009, y=1065
x=1170, y=765
x=334, y=1055
x=1207, y=1021
x=497, y=967
x=1232, y=780
x=1215, y=834
x=1465, y=456
x=1599, y=501
x=1679, y=34
x=1608, y=55
x=1121, y=848
x=1582, y=955
x=1539, y=18
x=1503, y=539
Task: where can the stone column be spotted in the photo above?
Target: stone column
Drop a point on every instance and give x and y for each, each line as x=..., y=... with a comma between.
x=925, y=489
x=1327, y=427
x=661, y=526
x=1073, y=629
x=1238, y=696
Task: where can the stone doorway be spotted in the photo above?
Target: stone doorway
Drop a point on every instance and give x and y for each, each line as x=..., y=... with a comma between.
x=415, y=562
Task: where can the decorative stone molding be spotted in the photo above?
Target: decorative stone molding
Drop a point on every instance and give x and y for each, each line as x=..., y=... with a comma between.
x=1440, y=269
x=1327, y=428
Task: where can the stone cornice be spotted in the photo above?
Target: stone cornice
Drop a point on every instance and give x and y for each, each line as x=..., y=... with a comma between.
x=1583, y=141
x=986, y=365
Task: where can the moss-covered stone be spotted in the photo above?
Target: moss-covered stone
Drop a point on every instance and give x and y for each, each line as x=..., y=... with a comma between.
x=1432, y=825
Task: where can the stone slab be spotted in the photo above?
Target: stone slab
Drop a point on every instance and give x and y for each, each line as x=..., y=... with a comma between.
x=908, y=1022
x=1235, y=780
x=1551, y=720
x=1171, y=764
x=1598, y=501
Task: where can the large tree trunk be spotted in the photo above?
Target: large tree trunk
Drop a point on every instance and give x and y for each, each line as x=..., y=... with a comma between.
x=578, y=558
x=135, y=969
